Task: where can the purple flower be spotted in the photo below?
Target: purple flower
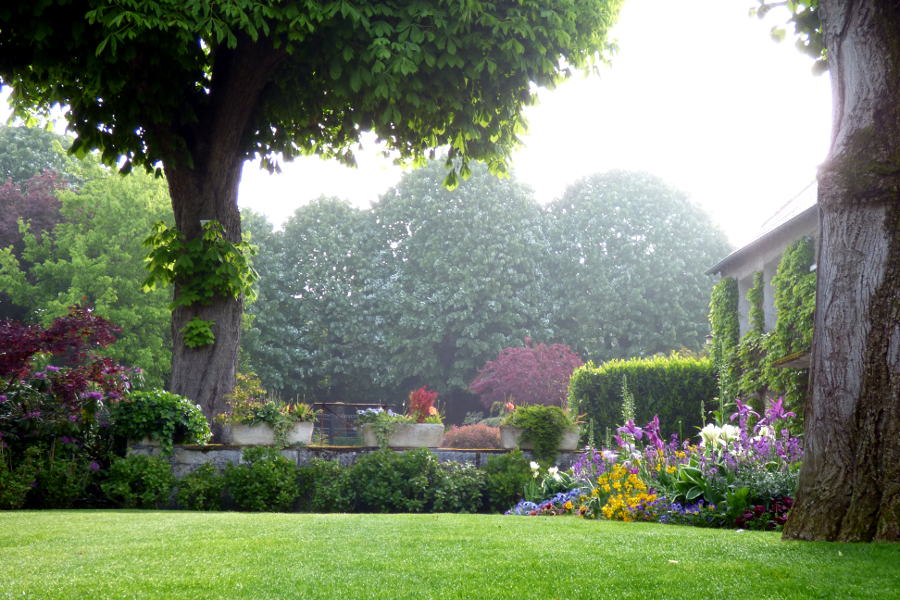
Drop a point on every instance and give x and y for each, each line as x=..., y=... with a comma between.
x=73, y=418
x=92, y=396
x=2, y=399
x=776, y=411
x=67, y=440
x=94, y=466
x=32, y=415
x=40, y=375
x=632, y=429
x=743, y=411
x=52, y=369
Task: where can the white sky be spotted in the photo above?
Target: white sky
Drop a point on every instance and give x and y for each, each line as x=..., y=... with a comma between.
x=698, y=94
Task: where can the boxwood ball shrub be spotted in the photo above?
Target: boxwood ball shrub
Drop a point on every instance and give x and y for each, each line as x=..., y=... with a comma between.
x=139, y=481
x=201, y=489
x=265, y=481
x=672, y=387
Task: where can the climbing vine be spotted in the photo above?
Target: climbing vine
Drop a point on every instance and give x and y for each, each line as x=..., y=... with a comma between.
x=747, y=367
x=725, y=327
x=794, y=287
x=751, y=353
x=203, y=268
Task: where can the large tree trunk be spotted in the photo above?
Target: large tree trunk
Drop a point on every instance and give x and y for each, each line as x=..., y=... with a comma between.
x=850, y=481
x=206, y=374
x=206, y=188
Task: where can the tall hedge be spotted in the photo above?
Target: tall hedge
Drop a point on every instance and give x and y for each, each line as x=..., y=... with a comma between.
x=673, y=387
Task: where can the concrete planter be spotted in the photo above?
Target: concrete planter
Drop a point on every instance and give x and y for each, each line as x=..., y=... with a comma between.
x=301, y=433
x=510, y=437
x=408, y=435
x=262, y=434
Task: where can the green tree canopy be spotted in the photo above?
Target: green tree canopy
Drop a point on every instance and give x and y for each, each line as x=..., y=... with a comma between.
x=29, y=151
x=314, y=328
x=629, y=255
x=94, y=257
x=466, y=274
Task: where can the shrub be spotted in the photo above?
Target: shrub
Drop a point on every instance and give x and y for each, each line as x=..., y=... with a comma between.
x=138, y=481
x=327, y=487
x=478, y=435
x=505, y=478
x=266, y=481
x=530, y=374
x=157, y=414
x=673, y=387
x=201, y=489
x=42, y=404
x=542, y=426
x=62, y=482
x=387, y=481
x=460, y=489
x=16, y=482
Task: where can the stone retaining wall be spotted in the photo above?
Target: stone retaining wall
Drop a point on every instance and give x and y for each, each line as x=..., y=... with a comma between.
x=187, y=458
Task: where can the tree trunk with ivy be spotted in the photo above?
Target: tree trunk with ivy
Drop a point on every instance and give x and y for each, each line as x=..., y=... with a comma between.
x=850, y=481
x=207, y=189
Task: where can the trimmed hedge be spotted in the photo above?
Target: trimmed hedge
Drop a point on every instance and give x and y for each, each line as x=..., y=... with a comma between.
x=673, y=387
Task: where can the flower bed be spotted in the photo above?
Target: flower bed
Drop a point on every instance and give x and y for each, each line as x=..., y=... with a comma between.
x=739, y=473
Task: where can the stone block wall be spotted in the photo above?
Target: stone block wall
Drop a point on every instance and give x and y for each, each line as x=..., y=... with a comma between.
x=187, y=458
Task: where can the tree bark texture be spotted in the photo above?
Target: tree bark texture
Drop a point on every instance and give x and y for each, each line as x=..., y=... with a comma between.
x=205, y=187
x=850, y=480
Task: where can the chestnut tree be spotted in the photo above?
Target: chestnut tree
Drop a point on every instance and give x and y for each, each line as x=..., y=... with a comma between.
x=194, y=88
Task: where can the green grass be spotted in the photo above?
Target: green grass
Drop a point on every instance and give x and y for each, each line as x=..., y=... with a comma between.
x=97, y=555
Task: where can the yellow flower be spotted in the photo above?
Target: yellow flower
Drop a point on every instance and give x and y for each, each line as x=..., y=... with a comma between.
x=670, y=470
x=568, y=505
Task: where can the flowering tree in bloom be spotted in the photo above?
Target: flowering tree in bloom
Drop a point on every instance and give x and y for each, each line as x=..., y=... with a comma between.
x=529, y=374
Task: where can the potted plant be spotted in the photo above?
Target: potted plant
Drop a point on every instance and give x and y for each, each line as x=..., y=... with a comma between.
x=269, y=422
x=158, y=417
x=540, y=428
x=254, y=419
x=421, y=426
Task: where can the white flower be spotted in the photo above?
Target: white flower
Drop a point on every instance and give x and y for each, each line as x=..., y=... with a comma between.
x=534, y=466
x=711, y=435
x=729, y=433
x=554, y=473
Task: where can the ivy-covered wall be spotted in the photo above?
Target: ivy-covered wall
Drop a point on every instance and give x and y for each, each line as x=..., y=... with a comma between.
x=726, y=334
x=746, y=367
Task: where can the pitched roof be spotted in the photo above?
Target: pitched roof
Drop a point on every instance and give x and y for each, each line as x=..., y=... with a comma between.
x=800, y=207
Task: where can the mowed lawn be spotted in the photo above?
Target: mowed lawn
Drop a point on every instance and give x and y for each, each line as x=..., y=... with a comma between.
x=96, y=555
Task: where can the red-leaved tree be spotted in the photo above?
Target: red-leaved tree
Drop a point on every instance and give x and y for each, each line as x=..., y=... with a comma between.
x=529, y=374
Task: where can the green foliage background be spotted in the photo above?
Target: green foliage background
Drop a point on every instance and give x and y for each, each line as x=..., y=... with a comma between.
x=95, y=258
